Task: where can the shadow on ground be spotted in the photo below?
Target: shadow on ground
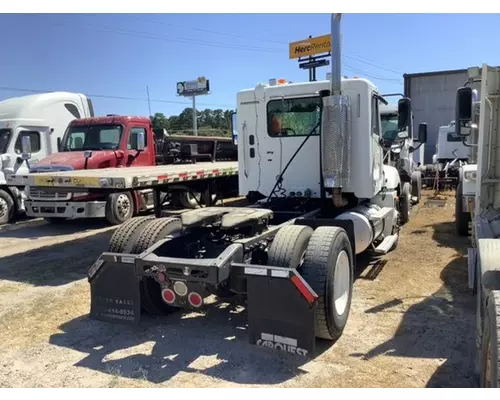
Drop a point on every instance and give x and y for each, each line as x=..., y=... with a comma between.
x=214, y=344
x=36, y=228
x=441, y=326
x=56, y=264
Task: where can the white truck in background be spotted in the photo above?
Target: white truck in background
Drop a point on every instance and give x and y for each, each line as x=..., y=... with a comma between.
x=479, y=124
x=43, y=118
x=399, y=148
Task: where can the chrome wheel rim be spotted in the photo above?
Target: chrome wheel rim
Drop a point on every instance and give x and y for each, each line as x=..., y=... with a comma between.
x=341, y=282
x=123, y=205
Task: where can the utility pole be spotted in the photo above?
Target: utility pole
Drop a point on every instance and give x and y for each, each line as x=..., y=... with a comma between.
x=149, y=102
x=195, y=120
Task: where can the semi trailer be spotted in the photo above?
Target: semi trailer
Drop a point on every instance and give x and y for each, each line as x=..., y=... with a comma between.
x=478, y=122
x=43, y=118
x=111, y=141
x=313, y=161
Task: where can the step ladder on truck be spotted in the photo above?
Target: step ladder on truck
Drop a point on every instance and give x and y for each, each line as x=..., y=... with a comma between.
x=484, y=254
x=291, y=254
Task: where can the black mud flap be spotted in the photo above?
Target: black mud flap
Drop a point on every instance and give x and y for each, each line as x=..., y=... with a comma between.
x=281, y=309
x=114, y=289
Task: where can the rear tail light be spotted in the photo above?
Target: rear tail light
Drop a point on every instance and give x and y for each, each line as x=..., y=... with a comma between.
x=195, y=299
x=168, y=296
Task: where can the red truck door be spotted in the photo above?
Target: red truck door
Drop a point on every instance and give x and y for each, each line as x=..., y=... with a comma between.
x=133, y=157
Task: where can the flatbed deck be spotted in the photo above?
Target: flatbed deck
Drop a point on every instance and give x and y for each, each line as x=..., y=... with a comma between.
x=132, y=177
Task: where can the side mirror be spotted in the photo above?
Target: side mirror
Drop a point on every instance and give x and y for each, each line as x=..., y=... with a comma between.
x=422, y=132
x=234, y=131
x=87, y=154
x=25, y=147
x=141, y=141
x=463, y=110
x=404, y=113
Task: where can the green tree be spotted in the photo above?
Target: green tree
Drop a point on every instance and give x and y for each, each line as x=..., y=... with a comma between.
x=159, y=122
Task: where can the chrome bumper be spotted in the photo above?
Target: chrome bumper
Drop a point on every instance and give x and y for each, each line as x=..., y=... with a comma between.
x=65, y=209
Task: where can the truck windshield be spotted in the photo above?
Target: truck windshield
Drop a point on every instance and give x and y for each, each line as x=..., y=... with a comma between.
x=92, y=137
x=4, y=139
x=389, y=126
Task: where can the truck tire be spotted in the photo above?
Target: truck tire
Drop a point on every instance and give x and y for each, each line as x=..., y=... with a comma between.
x=155, y=230
x=462, y=218
x=328, y=269
x=289, y=246
x=151, y=300
x=416, y=185
x=7, y=207
x=119, y=208
x=124, y=238
x=490, y=346
x=187, y=200
x=405, y=203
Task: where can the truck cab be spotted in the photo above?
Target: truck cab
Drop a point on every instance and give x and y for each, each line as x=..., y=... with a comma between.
x=42, y=118
x=94, y=143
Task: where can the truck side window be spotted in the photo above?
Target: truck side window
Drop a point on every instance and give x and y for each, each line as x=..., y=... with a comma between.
x=132, y=138
x=293, y=117
x=375, y=117
x=72, y=109
x=35, y=141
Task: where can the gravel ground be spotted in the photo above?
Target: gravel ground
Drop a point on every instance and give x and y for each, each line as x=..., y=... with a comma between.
x=411, y=322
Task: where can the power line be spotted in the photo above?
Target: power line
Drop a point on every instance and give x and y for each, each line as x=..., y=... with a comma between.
x=265, y=40
x=16, y=89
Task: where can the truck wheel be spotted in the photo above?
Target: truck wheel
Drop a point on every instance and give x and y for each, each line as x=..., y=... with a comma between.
x=462, y=218
x=416, y=185
x=289, y=246
x=124, y=238
x=7, y=207
x=155, y=230
x=119, y=208
x=405, y=203
x=490, y=346
x=328, y=269
x=187, y=200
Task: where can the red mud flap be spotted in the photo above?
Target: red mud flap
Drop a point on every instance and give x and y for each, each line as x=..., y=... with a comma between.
x=281, y=309
x=114, y=289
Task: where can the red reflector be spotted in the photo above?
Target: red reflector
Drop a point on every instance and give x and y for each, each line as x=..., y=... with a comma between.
x=200, y=172
x=304, y=291
x=195, y=299
x=162, y=177
x=183, y=174
x=168, y=296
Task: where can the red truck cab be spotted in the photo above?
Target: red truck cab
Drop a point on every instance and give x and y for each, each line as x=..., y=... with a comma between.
x=94, y=143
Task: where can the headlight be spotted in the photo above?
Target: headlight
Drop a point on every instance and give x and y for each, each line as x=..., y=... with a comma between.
x=470, y=175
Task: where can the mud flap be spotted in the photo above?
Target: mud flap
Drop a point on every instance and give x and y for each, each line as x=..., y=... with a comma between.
x=281, y=309
x=114, y=289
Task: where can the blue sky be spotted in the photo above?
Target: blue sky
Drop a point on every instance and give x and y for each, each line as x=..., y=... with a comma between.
x=119, y=55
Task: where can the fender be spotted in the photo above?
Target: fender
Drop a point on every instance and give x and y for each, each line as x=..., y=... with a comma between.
x=392, y=178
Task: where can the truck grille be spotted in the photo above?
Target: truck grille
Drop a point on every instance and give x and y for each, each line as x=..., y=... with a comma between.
x=36, y=193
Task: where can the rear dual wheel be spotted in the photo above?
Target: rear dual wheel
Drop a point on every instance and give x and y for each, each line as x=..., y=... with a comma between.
x=137, y=235
x=324, y=259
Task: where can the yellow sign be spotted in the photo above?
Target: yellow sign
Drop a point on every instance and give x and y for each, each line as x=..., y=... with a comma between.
x=311, y=46
x=85, y=181
x=68, y=182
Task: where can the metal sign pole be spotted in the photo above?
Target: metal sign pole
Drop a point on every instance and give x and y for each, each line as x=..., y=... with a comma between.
x=195, y=122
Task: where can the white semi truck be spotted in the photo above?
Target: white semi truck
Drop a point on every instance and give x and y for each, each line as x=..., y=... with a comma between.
x=481, y=121
x=43, y=118
x=312, y=153
x=400, y=148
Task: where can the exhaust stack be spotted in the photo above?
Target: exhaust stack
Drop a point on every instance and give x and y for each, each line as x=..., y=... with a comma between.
x=335, y=132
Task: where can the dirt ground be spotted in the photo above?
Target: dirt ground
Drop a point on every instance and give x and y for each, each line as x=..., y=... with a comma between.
x=411, y=322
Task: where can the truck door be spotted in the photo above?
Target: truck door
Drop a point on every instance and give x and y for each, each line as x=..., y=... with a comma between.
x=39, y=138
x=133, y=157
x=289, y=120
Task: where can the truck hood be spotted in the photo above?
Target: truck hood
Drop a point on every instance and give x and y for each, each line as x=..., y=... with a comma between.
x=76, y=159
